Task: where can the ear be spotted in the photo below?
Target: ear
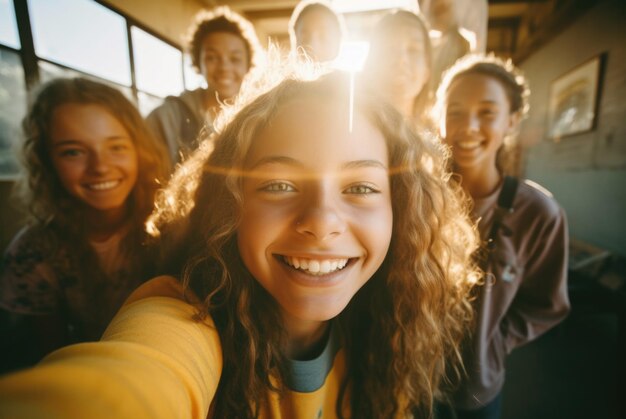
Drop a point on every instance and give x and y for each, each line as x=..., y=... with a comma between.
x=514, y=121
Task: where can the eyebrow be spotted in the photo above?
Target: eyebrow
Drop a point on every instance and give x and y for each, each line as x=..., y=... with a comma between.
x=234, y=50
x=487, y=102
x=78, y=142
x=354, y=164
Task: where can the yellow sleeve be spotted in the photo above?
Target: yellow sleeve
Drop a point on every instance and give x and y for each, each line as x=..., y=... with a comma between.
x=154, y=361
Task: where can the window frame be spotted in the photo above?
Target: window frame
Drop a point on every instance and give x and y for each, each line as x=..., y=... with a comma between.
x=31, y=61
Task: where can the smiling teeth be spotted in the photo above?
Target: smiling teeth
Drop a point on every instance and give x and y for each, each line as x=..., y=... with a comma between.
x=468, y=145
x=314, y=266
x=103, y=186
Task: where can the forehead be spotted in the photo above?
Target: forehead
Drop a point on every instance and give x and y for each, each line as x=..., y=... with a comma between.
x=316, y=18
x=84, y=120
x=76, y=114
x=477, y=87
x=403, y=30
x=317, y=132
x=223, y=41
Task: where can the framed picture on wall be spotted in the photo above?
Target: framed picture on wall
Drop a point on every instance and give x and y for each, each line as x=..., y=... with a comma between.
x=573, y=104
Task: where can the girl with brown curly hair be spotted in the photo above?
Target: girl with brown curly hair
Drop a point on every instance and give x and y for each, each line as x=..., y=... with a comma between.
x=324, y=264
x=91, y=171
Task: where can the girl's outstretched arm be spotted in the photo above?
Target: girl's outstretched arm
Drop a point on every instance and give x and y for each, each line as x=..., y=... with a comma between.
x=154, y=361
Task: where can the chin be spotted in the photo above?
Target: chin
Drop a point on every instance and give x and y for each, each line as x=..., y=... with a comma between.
x=319, y=313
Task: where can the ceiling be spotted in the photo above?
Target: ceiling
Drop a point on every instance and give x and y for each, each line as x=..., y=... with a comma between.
x=515, y=28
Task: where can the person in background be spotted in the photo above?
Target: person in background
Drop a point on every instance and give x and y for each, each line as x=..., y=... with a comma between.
x=399, y=64
x=223, y=47
x=91, y=172
x=327, y=273
x=447, y=39
x=473, y=18
x=317, y=30
x=480, y=104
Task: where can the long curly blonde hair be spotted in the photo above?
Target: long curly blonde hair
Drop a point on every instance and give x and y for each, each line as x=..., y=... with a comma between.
x=401, y=330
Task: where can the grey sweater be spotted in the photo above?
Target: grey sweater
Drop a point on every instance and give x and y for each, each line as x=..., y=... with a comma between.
x=178, y=121
x=525, y=291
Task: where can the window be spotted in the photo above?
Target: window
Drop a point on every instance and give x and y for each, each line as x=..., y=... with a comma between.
x=193, y=80
x=158, y=69
x=8, y=26
x=91, y=38
x=12, y=110
x=73, y=38
x=49, y=71
x=12, y=90
x=158, y=66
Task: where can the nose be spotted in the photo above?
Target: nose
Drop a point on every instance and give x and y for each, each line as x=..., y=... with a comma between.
x=224, y=63
x=397, y=56
x=98, y=162
x=472, y=123
x=321, y=218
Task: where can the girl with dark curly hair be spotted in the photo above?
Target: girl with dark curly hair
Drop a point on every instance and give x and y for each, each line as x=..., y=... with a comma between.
x=223, y=47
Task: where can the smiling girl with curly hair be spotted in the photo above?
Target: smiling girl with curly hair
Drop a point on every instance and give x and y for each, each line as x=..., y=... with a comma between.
x=323, y=267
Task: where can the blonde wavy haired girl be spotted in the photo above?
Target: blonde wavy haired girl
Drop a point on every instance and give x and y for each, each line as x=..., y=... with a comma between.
x=90, y=173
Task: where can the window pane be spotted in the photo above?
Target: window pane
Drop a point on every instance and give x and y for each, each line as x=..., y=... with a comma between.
x=49, y=71
x=8, y=27
x=158, y=66
x=147, y=103
x=82, y=34
x=193, y=80
x=12, y=111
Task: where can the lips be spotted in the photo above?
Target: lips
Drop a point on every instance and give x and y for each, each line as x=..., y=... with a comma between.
x=225, y=80
x=103, y=186
x=468, y=145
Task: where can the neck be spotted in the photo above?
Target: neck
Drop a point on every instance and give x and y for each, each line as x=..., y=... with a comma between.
x=404, y=104
x=480, y=183
x=103, y=224
x=305, y=339
x=212, y=100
